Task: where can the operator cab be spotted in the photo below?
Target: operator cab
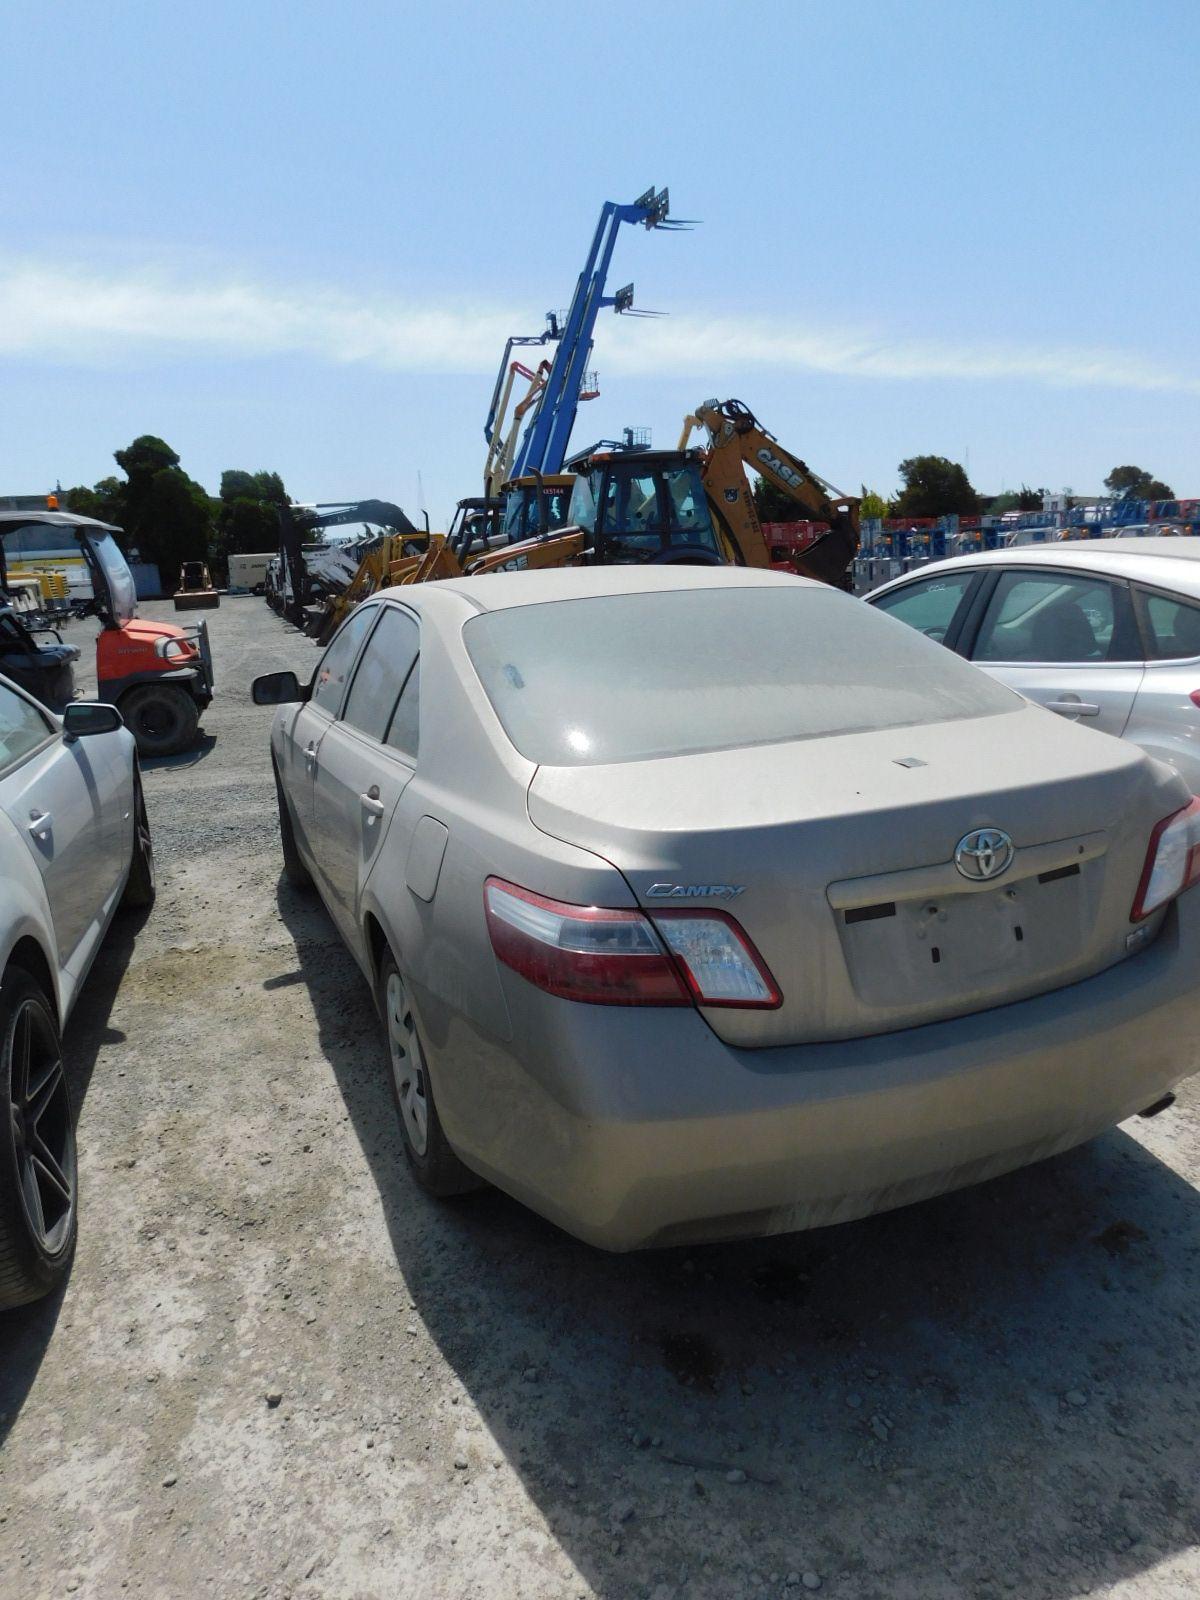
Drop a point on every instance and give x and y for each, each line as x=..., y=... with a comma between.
x=475, y=528
x=646, y=506
x=536, y=505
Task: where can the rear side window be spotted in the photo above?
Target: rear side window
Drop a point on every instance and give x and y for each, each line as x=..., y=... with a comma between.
x=1057, y=616
x=338, y=661
x=626, y=677
x=929, y=605
x=1172, y=626
x=405, y=733
x=22, y=728
x=382, y=669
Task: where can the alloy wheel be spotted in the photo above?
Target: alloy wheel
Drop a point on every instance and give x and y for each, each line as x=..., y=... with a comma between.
x=408, y=1065
x=145, y=844
x=42, y=1130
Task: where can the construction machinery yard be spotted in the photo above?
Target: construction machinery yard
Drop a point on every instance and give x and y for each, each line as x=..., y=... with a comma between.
x=278, y=1369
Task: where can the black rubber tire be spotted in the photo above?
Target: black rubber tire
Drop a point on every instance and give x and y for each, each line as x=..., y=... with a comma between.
x=436, y=1168
x=162, y=718
x=294, y=870
x=140, y=886
x=30, y=1269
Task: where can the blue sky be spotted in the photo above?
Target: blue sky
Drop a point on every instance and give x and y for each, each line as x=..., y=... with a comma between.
x=294, y=236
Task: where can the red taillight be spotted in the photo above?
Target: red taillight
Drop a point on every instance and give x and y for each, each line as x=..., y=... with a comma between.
x=603, y=957
x=1194, y=697
x=1172, y=861
x=623, y=958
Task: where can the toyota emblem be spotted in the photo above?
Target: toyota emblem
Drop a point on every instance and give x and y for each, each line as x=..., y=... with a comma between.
x=985, y=853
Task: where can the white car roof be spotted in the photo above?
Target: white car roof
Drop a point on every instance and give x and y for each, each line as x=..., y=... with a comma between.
x=1174, y=562
x=499, y=591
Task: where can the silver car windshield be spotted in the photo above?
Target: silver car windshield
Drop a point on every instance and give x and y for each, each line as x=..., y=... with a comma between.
x=629, y=677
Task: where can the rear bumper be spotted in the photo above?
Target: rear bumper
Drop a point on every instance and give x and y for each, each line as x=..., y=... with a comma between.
x=632, y=1128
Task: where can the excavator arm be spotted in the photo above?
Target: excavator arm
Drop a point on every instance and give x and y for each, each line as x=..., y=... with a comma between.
x=738, y=440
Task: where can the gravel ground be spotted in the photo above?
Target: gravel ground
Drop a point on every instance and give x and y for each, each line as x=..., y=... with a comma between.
x=279, y=1370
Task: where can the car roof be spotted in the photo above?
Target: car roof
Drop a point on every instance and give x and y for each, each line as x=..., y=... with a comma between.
x=501, y=591
x=56, y=519
x=1154, y=560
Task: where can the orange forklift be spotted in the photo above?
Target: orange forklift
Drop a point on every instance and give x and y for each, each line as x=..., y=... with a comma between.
x=159, y=675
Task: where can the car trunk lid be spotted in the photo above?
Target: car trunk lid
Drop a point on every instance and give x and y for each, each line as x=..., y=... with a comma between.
x=836, y=855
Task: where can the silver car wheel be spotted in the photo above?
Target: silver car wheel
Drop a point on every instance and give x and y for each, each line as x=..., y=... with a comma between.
x=408, y=1065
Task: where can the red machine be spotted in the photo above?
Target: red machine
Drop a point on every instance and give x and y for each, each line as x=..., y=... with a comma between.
x=159, y=675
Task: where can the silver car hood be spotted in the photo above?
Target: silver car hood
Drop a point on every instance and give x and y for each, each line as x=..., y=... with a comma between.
x=841, y=850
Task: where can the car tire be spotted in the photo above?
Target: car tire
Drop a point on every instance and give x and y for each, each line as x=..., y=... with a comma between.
x=140, y=884
x=162, y=719
x=432, y=1162
x=39, y=1173
x=294, y=870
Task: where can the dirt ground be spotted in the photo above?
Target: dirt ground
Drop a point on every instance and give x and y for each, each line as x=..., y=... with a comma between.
x=279, y=1370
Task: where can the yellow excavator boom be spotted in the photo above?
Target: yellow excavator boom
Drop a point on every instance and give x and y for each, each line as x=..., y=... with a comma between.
x=737, y=441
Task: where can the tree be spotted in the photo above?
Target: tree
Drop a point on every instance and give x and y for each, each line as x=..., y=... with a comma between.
x=872, y=505
x=1022, y=499
x=934, y=487
x=1135, y=483
x=105, y=502
x=167, y=515
x=265, y=487
x=776, y=505
x=248, y=518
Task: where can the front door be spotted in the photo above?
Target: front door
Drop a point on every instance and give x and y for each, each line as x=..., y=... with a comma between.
x=363, y=767
x=64, y=800
x=302, y=737
x=1066, y=639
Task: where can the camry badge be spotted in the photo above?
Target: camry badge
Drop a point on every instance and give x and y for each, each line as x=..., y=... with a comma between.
x=983, y=854
x=694, y=891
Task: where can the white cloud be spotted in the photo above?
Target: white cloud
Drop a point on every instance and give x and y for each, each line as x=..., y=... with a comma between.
x=62, y=314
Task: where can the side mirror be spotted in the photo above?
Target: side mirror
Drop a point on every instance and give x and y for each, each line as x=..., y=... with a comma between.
x=83, y=718
x=276, y=689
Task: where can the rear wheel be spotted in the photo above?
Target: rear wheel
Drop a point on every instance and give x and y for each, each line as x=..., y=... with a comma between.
x=434, y=1164
x=39, y=1176
x=162, y=718
x=294, y=870
x=139, y=886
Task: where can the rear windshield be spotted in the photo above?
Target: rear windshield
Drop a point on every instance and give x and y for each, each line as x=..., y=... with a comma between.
x=627, y=677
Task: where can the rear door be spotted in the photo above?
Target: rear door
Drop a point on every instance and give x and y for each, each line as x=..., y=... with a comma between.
x=1064, y=638
x=360, y=775
x=63, y=800
x=301, y=736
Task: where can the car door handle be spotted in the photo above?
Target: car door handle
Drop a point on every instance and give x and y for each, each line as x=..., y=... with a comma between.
x=40, y=823
x=371, y=803
x=1073, y=708
x=310, y=754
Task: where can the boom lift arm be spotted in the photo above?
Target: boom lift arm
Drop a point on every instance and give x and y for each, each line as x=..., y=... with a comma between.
x=544, y=446
x=738, y=440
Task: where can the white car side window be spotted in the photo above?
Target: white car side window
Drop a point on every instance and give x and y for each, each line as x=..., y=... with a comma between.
x=404, y=733
x=330, y=681
x=22, y=728
x=381, y=671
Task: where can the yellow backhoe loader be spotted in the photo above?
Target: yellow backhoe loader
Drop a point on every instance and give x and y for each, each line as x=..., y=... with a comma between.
x=737, y=441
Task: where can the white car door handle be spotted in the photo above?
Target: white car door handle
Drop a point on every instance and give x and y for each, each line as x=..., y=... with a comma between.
x=310, y=754
x=371, y=803
x=40, y=823
x=1073, y=708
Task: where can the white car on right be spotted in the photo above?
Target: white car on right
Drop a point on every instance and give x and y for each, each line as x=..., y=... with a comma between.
x=1104, y=632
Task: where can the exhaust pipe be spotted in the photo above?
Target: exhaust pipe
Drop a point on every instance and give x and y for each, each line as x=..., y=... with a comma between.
x=1164, y=1104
